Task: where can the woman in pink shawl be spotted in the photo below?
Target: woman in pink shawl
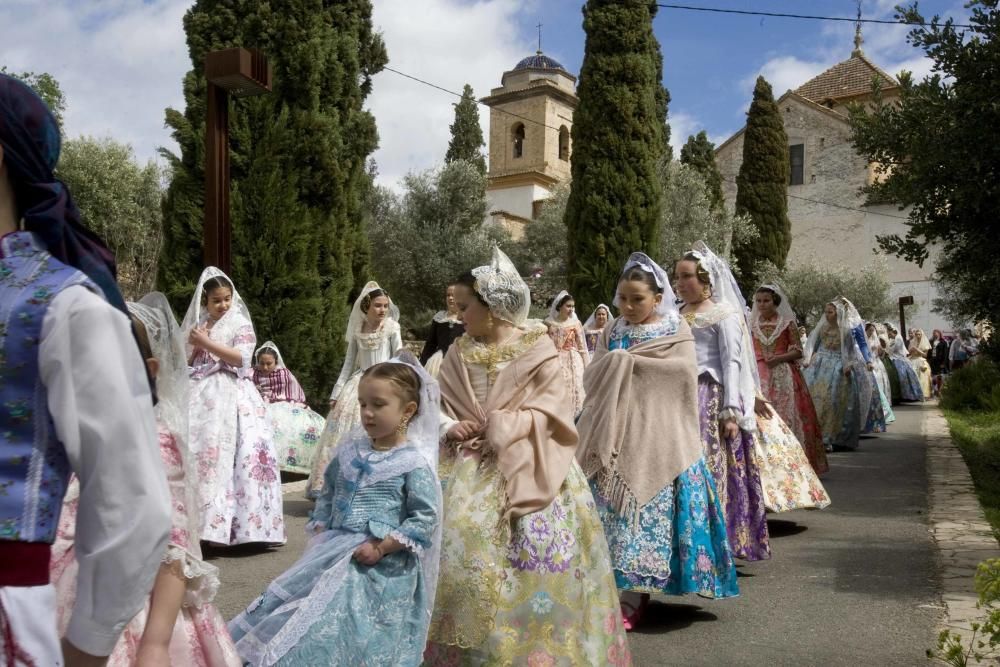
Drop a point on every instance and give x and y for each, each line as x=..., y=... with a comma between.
x=525, y=573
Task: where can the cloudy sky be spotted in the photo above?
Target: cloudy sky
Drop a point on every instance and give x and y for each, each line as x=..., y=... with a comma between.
x=120, y=62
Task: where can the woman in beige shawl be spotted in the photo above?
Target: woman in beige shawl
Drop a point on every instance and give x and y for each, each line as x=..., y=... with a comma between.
x=641, y=449
x=525, y=571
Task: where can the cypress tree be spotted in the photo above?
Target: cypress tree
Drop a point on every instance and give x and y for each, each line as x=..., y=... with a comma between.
x=466, y=134
x=298, y=162
x=699, y=153
x=619, y=134
x=762, y=186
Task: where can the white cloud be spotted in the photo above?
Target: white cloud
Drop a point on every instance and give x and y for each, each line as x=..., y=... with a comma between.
x=682, y=125
x=448, y=43
x=784, y=73
x=120, y=63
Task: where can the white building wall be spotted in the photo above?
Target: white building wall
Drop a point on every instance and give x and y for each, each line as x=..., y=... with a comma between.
x=516, y=200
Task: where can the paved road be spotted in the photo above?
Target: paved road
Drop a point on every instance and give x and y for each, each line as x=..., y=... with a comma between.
x=854, y=584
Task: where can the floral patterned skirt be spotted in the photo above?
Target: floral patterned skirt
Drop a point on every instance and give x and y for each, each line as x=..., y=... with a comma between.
x=876, y=421
x=737, y=477
x=679, y=544
x=540, y=593
x=343, y=419
x=297, y=430
x=200, y=637
x=787, y=478
x=239, y=485
x=837, y=399
x=909, y=383
x=885, y=391
x=788, y=393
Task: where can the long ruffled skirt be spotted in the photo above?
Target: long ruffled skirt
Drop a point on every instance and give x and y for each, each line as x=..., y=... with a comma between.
x=239, y=488
x=200, y=637
x=344, y=418
x=876, y=421
x=895, y=393
x=909, y=383
x=885, y=390
x=540, y=593
x=328, y=609
x=734, y=467
x=837, y=399
x=679, y=543
x=923, y=370
x=297, y=430
x=787, y=477
x=788, y=393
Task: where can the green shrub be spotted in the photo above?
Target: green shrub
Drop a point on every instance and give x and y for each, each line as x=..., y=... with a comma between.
x=974, y=387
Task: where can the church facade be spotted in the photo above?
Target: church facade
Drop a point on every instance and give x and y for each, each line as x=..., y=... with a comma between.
x=531, y=122
x=831, y=223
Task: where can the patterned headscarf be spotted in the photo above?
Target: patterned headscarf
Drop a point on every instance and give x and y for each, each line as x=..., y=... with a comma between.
x=29, y=135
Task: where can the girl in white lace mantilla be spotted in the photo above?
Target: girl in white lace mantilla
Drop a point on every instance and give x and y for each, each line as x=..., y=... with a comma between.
x=372, y=337
x=566, y=332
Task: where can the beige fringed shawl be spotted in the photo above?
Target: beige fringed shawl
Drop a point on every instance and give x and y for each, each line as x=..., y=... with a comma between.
x=639, y=425
x=528, y=416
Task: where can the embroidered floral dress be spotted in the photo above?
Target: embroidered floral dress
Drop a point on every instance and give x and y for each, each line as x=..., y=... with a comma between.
x=835, y=396
x=786, y=389
x=573, y=355
x=296, y=427
x=239, y=485
x=538, y=592
x=200, y=637
x=364, y=351
x=679, y=543
x=329, y=609
x=718, y=338
x=786, y=475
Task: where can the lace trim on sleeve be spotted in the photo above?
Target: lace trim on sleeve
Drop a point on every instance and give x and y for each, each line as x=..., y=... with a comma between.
x=202, y=578
x=407, y=542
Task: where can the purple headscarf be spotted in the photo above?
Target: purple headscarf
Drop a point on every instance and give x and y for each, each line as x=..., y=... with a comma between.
x=29, y=135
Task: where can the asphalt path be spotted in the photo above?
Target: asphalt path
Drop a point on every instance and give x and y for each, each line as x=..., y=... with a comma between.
x=854, y=584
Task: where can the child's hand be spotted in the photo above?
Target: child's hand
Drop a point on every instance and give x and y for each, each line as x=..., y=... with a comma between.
x=199, y=337
x=368, y=553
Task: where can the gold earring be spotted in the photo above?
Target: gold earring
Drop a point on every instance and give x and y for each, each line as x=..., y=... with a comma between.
x=489, y=321
x=706, y=292
x=403, y=425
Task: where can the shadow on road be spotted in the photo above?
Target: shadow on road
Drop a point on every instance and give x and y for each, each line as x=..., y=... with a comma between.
x=212, y=552
x=781, y=528
x=660, y=618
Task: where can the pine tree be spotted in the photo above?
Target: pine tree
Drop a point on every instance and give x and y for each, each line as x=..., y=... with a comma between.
x=619, y=134
x=298, y=168
x=466, y=134
x=762, y=187
x=699, y=153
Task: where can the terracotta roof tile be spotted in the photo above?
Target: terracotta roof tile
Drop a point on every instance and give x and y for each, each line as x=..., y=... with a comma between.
x=845, y=79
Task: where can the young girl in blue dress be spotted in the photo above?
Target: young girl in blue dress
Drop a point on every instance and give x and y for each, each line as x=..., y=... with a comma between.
x=363, y=591
x=640, y=447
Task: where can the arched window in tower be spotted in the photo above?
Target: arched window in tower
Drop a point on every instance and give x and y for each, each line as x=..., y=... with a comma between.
x=564, y=143
x=518, y=137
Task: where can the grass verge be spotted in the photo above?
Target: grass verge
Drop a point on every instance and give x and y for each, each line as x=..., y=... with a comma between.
x=977, y=435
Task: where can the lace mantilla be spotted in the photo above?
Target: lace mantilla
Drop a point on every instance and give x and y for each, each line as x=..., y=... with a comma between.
x=706, y=318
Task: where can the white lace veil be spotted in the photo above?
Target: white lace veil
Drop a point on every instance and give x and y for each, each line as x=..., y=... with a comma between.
x=503, y=289
x=786, y=316
x=850, y=354
x=554, y=308
x=591, y=322
x=222, y=331
x=726, y=290
x=668, y=304
x=358, y=314
x=273, y=349
x=172, y=384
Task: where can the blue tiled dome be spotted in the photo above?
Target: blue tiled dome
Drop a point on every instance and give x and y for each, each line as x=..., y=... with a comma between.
x=539, y=61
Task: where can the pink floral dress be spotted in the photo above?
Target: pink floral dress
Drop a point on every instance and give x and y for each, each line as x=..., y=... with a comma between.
x=200, y=637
